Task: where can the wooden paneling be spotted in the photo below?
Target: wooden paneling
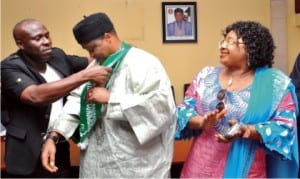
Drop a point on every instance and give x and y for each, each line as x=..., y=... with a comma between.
x=181, y=149
x=2, y=152
x=73, y=149
x=75, y=154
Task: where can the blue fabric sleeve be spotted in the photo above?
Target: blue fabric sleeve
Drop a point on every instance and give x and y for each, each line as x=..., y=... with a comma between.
x=185, y=111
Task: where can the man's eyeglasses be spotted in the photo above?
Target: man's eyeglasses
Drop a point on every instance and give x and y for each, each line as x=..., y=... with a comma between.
x=221, y=96
x=229, y=42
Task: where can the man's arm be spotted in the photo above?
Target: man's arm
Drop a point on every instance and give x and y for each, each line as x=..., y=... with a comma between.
x=62, y=128
x=48, y=152
x=49, y=92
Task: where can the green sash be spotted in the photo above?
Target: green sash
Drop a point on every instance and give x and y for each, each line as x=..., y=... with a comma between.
x=90, y=112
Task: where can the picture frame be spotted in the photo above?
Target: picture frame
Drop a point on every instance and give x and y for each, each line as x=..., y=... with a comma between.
x=297, y=6
x=186, y=14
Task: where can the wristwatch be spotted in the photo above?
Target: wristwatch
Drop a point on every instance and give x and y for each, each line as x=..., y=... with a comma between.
x=52, y=137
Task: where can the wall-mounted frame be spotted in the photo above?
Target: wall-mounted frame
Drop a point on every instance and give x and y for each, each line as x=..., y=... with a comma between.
x=297, y=6
x=179, y=22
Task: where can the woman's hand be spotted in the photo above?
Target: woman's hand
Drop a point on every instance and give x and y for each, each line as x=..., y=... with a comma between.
x=230, y=138
x=206, y=121
x=211, y=118
x=244, y=131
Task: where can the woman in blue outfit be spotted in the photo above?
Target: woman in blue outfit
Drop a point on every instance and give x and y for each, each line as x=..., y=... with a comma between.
x=247, y=93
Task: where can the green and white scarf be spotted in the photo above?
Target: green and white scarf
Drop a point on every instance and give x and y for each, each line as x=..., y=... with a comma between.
x=90, y=112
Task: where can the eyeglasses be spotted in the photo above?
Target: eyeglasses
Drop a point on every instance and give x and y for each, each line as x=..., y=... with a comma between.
x=221, y=96
x=229, y=42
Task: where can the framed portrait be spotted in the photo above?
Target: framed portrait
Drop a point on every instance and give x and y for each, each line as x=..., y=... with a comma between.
x=297, y=6
x=179, y=22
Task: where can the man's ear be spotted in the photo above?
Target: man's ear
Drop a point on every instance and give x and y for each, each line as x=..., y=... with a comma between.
x=106, y=35
x=19, y=43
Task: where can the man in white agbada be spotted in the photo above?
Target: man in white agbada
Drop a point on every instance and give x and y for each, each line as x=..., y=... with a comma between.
x=127, y=127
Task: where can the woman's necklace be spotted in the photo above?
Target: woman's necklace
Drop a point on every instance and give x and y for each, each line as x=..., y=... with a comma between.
x=243, y=76
x=229, y=82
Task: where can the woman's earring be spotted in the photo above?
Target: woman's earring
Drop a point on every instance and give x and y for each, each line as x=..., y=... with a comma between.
x=248, y=60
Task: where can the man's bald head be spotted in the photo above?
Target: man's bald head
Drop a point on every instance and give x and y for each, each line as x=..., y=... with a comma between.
x=22, y=27
x=33, y=38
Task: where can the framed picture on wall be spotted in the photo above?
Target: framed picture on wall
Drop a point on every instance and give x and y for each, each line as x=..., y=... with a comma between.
x=179, y=21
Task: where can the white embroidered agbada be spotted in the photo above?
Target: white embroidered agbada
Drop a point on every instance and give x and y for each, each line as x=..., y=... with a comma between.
x=134, y=136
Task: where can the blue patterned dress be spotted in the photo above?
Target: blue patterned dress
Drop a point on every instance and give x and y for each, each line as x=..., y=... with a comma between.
x=276, y=125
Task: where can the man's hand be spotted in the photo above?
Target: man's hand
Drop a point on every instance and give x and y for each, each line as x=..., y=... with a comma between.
x=98, y=94
x=97, y=74
x=48, y=155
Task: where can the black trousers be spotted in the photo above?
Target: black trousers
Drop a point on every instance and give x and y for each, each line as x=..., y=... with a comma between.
x=62, y=161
